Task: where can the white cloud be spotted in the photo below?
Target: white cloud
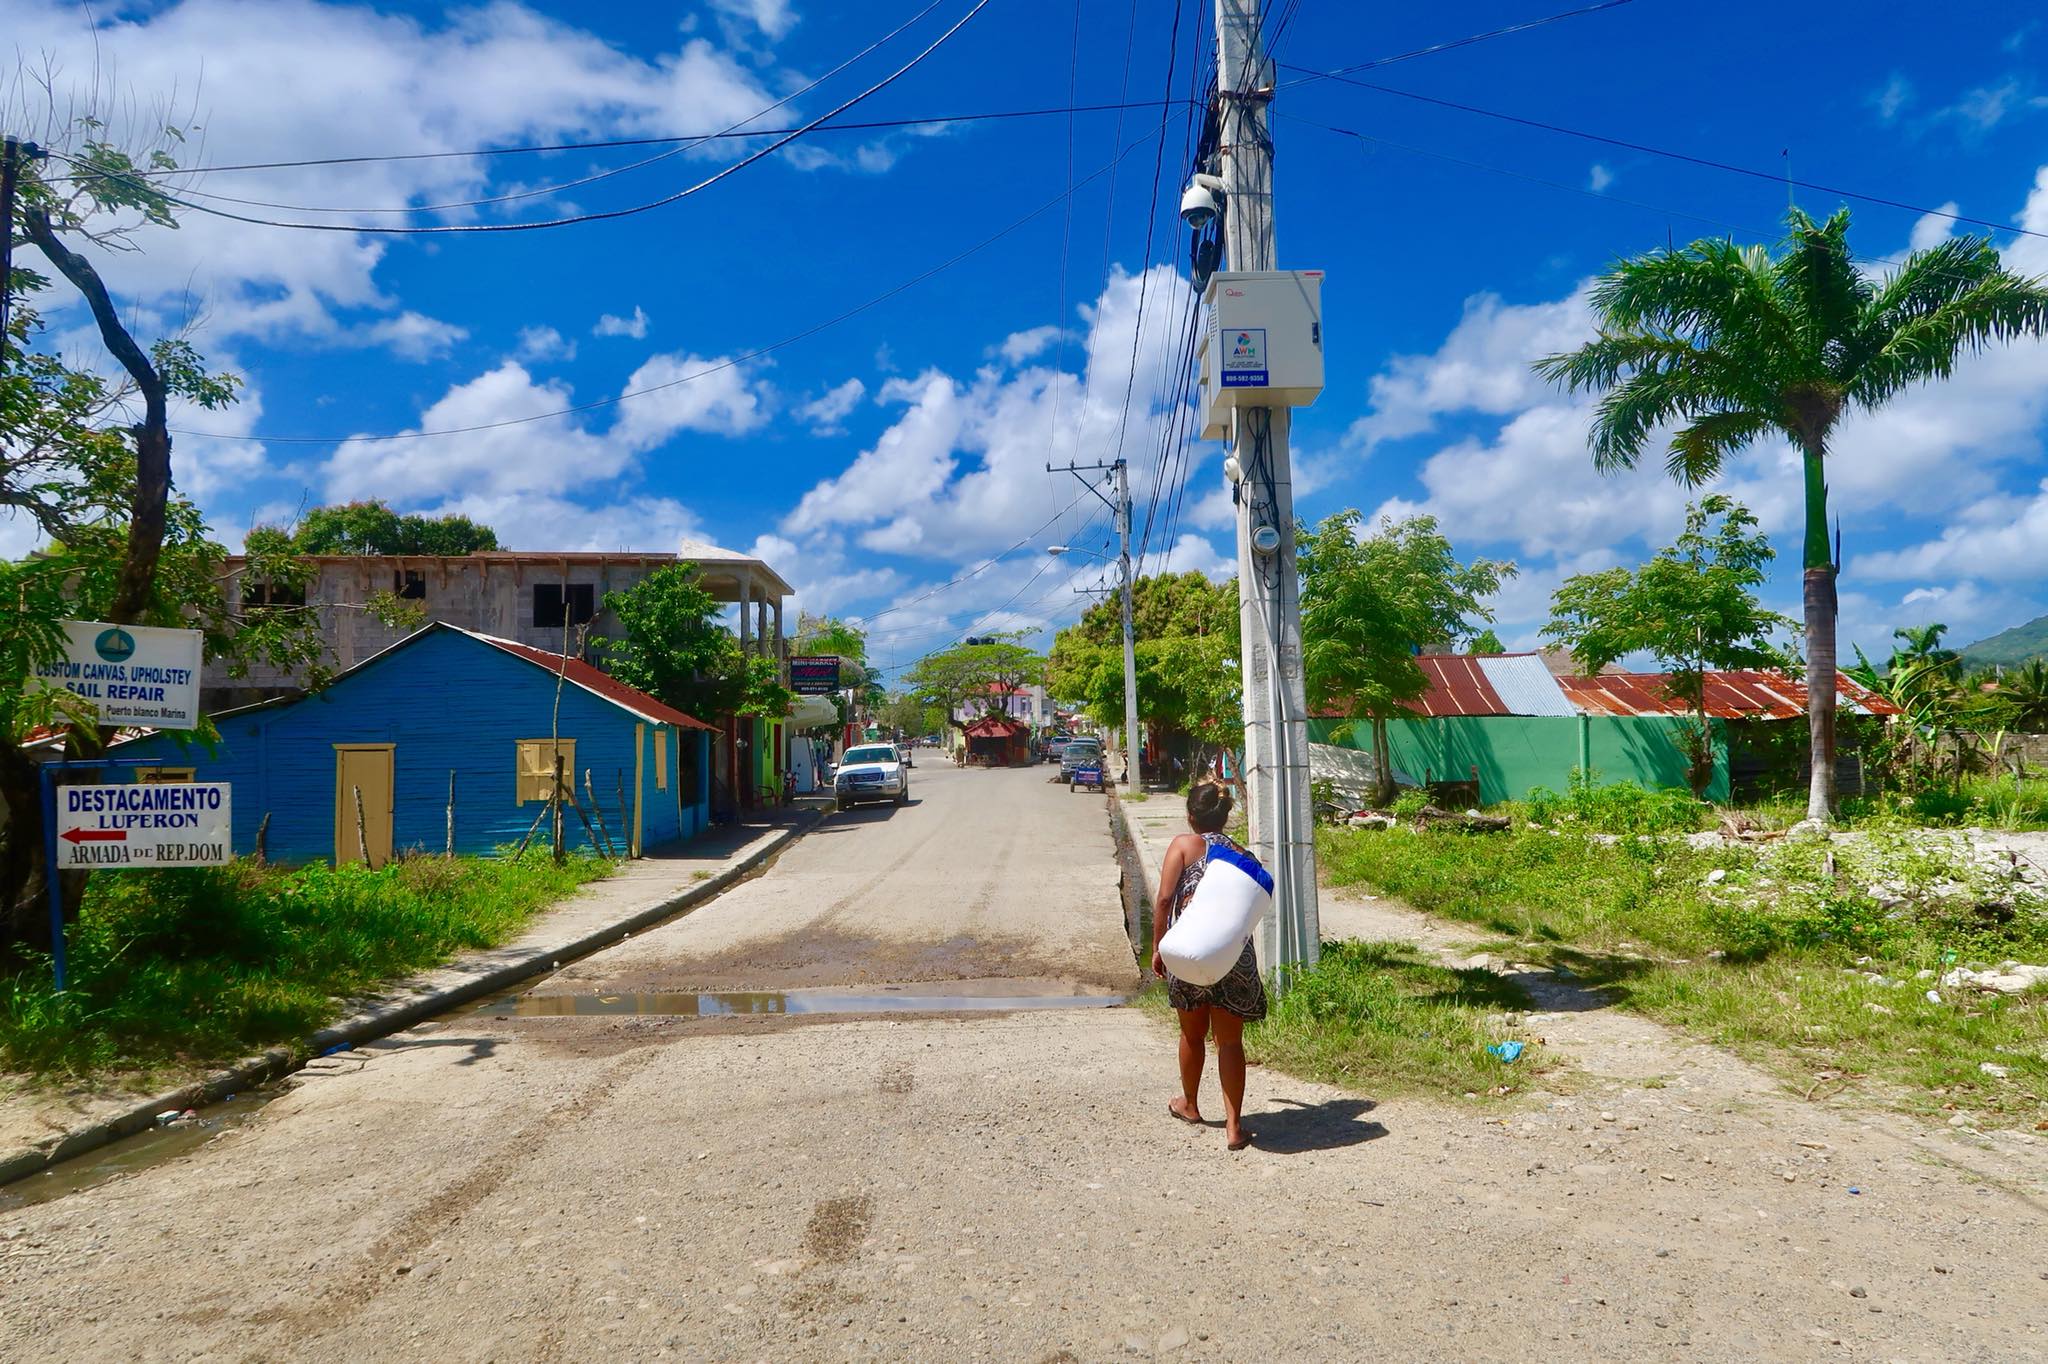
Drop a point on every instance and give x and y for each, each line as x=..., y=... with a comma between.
x=1482, y=366
x=773, y=17
x=547, y=521
x=414, y=336
x=721, y=399
x=828, y=410
x=1021, y=346
x=533, y=457
x=1599, y=178
x=298, y=79
x=612, y=325
x=544, y=343
x=1932, y=229
x=962, y=472
x=1891, y=101
x=1199, y=554
x=1985, y=107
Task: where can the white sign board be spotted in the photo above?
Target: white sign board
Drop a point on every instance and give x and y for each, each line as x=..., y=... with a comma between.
x=177, y=824
x=133, y=674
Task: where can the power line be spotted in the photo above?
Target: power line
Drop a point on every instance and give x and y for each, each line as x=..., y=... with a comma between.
x=869, y=125
x=1447, y=46
x=1774, y=177
x=691, y=377
x=606, y=215
x=731, y=130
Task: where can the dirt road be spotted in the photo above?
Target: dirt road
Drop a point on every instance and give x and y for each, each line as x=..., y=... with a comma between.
x=1007, y=1187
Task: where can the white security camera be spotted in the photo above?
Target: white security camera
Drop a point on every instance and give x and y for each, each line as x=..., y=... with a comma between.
x=1233, y=470
x=1202, y=201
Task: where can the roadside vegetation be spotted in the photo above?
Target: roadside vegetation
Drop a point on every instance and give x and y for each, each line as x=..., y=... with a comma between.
x=200, y=967
x=1835, y=963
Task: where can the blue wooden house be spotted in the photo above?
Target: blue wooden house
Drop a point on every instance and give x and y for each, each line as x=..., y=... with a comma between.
x=440, y=706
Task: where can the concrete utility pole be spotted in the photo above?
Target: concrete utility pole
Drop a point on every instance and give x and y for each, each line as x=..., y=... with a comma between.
x=1121, y=510
x=1133, y=774
x=1268, y=585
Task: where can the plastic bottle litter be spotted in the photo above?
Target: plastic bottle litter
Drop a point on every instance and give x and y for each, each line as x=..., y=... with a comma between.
x=1509, y=1052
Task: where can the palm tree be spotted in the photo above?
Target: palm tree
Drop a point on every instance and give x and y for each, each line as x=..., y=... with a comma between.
x=1920, y=646
x=2025, y=692
x=1733, y=345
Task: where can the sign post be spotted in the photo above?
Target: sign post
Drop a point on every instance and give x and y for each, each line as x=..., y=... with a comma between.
x=132, y=674
x=127, y=826
x=814, y=675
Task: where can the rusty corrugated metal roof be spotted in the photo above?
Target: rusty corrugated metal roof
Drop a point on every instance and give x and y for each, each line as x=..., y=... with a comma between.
x=1736, y=694
x=1457, y=686
x=593, y=680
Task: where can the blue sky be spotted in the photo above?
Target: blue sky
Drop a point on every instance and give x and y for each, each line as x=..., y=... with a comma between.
x=879, y=458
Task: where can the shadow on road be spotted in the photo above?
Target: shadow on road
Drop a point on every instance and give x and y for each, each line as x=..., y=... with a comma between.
x=480, y=1048
x=1327, y=1126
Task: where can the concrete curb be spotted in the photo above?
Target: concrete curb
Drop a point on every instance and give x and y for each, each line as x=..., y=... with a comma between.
x=382, y=1018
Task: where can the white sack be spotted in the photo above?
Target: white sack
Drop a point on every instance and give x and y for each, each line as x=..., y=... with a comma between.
x=1205, y=941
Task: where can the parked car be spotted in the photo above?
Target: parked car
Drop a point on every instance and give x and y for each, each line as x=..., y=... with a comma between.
x=1051, y=747
x=908, y=752
x=1080, y=751
x=870, y=772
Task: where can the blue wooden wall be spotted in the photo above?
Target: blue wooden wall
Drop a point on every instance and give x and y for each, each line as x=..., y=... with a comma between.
x=446, y=702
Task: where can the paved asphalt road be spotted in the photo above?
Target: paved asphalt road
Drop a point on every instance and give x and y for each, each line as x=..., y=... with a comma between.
x=999, y=1186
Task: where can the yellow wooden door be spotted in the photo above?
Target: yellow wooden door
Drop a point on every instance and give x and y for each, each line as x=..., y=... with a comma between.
x=365, y=768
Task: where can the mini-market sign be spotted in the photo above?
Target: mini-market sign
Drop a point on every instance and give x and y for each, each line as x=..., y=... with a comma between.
x=140, y=824
x=132, y=674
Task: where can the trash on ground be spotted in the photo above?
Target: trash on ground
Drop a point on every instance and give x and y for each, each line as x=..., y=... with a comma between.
x=1509, y=1052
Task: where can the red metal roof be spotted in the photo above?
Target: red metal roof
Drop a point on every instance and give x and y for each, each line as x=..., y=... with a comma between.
x=597, y=682
x=994, y=727
x=1742, y=694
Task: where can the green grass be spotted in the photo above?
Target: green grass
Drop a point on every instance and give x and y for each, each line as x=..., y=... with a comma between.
x=1772, y=956
x=1378, y=1016
x=183, y=968
x=1980, y=800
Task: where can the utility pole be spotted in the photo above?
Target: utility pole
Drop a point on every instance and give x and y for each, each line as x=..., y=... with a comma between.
x=1121, y=510
x=1268, y=583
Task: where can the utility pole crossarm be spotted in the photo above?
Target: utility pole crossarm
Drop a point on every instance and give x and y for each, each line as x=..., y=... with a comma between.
x=1121, y=509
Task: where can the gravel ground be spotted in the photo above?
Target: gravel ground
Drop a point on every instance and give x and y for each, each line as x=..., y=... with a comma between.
x=1011, y=1188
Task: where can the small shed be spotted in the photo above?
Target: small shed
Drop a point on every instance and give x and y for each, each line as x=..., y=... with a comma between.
x=446, y=706
x=998, y=741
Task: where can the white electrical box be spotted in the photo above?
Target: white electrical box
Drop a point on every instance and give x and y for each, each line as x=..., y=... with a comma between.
x=1262, y=343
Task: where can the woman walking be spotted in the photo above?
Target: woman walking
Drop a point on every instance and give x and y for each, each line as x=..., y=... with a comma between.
x=1221, y=1009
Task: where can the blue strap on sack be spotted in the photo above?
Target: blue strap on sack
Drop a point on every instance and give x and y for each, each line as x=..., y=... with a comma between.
x=1244, y=862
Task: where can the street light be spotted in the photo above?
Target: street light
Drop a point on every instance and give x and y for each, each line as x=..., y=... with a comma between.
x=1132, y=773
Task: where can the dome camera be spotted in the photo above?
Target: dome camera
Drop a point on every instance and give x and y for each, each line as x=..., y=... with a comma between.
x=1202, y=201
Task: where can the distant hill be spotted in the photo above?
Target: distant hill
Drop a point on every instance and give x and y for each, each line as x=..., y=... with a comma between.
x=2010, y=647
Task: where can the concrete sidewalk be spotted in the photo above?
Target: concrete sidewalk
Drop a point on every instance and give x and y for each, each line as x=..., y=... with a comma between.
x=41, y=1127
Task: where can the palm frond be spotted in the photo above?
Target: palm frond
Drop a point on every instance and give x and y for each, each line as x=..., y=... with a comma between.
x=2001, y=307
x=1820, y=273
x=1700, y=447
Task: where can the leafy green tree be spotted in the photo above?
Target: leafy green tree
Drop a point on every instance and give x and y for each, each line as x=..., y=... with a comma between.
x=2024, y=694
x=87, y=459
x=373, y=528
x=1186, y=631
x=1731, y=345
x=1369, y=604
x=675, y=649
x=983, y=674
x=1485, y=642
x=1919, y=646
x=1692, y=607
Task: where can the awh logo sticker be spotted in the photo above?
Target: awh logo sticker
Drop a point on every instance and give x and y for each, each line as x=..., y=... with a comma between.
x=1244, y=358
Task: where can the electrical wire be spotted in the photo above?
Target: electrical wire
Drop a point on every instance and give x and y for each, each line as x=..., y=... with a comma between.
x=605, y=215
x=726, y=364
x=1774, y=177
x=731, y=130
x=1447, y=46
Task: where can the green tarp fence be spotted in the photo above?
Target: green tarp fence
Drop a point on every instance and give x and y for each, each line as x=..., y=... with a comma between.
x=1515, y=752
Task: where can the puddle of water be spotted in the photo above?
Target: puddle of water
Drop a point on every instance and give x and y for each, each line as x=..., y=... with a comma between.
x=130, y=1155
x=730, y=1003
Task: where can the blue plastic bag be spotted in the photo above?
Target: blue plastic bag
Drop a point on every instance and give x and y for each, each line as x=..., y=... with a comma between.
x=1509, y=1052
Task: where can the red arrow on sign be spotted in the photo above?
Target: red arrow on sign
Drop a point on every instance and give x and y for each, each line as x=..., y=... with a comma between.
x=95, y=835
